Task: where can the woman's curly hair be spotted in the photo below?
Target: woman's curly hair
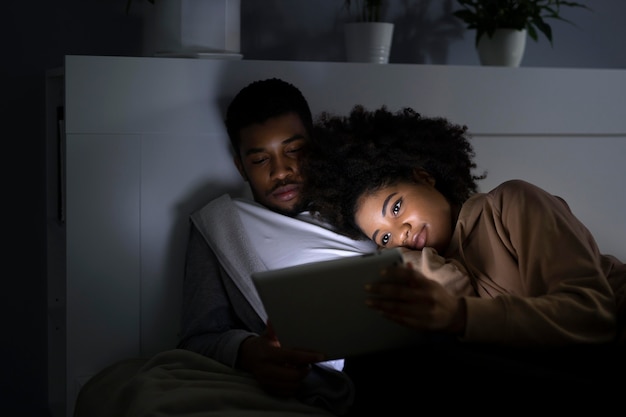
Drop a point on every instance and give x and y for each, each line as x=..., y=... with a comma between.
x=349, y=156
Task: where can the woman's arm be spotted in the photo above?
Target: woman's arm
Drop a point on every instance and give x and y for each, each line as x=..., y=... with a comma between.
x=539, y=273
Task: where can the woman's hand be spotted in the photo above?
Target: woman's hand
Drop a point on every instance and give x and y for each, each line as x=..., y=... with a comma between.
x=405, y=296
x=448, y=272
x=279, y=371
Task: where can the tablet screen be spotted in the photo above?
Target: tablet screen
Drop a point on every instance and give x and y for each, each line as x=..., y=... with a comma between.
x=321, y=306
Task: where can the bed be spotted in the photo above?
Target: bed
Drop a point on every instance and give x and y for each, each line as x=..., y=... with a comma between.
x=142, y=145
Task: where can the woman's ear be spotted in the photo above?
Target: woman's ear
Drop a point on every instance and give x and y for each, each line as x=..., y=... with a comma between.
x=422, y=176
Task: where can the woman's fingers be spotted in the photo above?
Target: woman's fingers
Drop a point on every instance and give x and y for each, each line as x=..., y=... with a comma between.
x=403, y=295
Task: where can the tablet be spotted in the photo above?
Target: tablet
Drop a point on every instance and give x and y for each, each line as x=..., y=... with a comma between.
x=321, y=306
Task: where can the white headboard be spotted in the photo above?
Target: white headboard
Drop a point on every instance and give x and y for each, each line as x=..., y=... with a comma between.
x=145, y=146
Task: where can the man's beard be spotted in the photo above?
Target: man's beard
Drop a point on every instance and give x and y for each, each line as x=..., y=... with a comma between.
x=294, y=211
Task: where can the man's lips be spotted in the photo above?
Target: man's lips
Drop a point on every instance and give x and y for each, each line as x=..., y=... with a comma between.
x=286, y=192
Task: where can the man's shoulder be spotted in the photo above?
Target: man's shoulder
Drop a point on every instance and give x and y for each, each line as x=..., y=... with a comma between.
x=226, y=200
x=223, y=199
x=307, y=216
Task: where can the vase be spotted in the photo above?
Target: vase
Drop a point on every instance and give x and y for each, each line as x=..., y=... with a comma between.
x=368, y=41
x=197, y=28
x=505, y=48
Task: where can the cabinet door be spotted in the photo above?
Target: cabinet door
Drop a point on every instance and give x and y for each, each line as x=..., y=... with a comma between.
x=103, y=252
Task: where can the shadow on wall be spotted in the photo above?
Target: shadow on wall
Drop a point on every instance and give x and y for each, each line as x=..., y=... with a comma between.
x=287, y=30
x=422, y=35
x=278, y=30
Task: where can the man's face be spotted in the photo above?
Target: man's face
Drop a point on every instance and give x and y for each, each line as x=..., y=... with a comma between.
x=269, y=160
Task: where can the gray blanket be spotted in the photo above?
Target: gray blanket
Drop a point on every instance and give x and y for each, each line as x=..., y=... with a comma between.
x=178, y=383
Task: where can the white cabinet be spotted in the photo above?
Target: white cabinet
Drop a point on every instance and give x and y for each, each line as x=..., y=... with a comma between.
x=145, y=145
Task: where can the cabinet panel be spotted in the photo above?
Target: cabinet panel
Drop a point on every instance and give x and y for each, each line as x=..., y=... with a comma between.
x=103, y=252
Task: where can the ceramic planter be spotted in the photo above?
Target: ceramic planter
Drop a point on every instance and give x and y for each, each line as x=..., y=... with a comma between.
x=505, y=48
x=368, y=41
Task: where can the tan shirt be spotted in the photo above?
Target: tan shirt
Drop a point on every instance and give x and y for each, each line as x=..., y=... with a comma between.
x=537, y=270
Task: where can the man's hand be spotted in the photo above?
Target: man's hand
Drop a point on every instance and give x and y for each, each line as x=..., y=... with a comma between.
x=279, y=371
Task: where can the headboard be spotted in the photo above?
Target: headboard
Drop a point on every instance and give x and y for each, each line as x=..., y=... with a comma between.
x=145, y=146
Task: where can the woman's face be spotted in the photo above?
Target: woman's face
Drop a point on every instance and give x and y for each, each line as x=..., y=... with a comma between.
x=410, y=214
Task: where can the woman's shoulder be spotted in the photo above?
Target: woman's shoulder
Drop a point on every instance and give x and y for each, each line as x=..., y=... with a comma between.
x=514, y=193
x=510, y=189
x=513, y=198
x=517, y=186
x=521, y=190
x=517, y=194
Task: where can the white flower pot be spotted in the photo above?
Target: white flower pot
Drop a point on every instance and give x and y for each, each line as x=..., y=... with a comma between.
x=505, y=48
x=368, y=41
x=196, y=27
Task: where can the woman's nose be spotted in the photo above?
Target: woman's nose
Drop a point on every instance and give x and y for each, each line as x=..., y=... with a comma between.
x=404, y=234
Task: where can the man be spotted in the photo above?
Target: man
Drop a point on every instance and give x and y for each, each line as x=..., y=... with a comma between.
x=269, y=123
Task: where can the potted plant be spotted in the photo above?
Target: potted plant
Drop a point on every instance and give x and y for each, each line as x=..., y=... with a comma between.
x=368, y=38
x=501, y=20
x=366, y=10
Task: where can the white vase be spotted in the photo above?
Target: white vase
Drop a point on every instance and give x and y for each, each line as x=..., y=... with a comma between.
x=368, y=41
x=197, y=27
x=505, y=48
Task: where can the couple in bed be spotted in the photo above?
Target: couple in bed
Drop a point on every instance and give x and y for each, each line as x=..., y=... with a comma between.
x=524, y=284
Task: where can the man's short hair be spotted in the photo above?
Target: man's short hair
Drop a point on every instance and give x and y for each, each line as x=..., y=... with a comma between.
x=262, y=100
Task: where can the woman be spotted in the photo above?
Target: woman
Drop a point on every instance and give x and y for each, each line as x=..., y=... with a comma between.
x=401, y=179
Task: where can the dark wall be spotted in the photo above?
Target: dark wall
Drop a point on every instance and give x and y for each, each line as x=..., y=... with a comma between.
x=36, y=35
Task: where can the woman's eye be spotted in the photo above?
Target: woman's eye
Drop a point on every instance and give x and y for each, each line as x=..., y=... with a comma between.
x=259, y=160
x=396, y=207
x=385, y=239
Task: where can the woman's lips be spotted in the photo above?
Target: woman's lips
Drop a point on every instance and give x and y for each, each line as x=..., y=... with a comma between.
x=419, y=239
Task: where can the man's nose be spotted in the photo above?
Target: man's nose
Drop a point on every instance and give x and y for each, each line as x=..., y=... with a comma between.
x=282, y=168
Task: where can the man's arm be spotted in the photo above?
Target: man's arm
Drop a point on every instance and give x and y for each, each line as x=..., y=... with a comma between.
x=213, y=324
x=213, y=307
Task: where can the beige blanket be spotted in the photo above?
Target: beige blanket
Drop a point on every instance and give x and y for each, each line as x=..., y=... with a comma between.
x=178, y=383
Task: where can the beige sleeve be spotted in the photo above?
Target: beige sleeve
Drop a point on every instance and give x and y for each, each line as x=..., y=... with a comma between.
x=448, y=272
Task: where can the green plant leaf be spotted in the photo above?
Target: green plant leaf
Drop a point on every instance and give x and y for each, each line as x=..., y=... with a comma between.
x=485, y=16
x=366, y=10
